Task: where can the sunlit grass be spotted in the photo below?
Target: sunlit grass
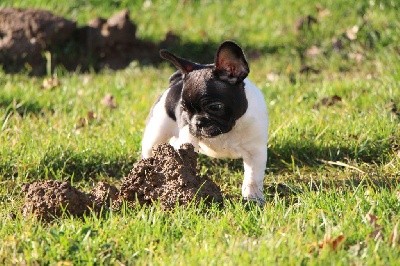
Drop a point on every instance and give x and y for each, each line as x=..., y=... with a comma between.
x=329, y=166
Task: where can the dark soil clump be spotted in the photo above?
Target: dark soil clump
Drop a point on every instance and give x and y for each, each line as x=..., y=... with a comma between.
x=170, y=177
x=103, y=194
x=49, y=199
x=26, y=34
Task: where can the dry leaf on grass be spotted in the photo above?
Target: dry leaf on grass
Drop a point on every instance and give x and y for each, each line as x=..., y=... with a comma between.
x=356, y=249
x=81, y=123
x=91, y=115
x=109, y=101
x=84, y=121
x=313, y=51
x=358, y=57
x=322, y=11
x=50, y=83
x=351, y=33
x=372, y=219
x=86, y=79
x=328, y=101
x=328, y=242
x=272, y=77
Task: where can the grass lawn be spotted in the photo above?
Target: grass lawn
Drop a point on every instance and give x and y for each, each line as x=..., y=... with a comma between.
x=333, y=175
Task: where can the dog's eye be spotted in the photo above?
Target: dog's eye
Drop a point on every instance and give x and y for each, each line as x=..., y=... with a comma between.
x=215, y=107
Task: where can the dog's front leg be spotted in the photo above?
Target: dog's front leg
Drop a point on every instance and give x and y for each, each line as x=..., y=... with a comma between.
x=254, y=169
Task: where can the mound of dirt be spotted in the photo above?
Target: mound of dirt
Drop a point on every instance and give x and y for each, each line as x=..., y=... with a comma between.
x=169, y=177
x=25, y=34
x=103, y=194
x=48, y=199
x=112, y=41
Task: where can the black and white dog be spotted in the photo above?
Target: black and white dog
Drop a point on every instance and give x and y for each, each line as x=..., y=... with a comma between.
x=218, y=110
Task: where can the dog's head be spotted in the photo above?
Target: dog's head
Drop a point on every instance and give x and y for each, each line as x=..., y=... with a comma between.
x=213, y=96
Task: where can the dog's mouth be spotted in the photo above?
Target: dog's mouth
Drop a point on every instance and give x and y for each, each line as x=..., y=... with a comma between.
x=205, y=132
x=207, y=129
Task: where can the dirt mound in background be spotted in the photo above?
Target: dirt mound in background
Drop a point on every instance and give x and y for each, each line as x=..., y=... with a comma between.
x=169, y=176
x=25, y=34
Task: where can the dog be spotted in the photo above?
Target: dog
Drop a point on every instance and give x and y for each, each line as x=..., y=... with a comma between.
x=217, y=109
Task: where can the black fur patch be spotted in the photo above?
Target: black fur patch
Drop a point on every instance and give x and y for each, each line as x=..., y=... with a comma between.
x=203, y=89
x=174, y=94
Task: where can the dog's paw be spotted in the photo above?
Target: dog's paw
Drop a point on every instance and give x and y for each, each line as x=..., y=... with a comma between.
x=253, y=193
x=254, y=201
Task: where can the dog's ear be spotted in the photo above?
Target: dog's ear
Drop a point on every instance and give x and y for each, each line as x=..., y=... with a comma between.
x=230, y=63
x=183, y=65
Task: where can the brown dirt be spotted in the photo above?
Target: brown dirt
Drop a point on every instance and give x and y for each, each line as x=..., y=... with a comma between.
x=103, y=194
x=48, y=199
x=112, y=42
x=25, y=34
x=169, y=177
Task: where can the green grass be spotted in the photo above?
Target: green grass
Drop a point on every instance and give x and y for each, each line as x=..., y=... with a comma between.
x=328, y=167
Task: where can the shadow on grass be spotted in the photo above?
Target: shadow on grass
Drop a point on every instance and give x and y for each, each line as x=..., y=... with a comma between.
x=8, y=169
x=19, y=106
x=204, y=52
x=76, y=56
x=287, y=156
x=145, y=53
x=296, y=186
x=82, y=165
x=294, y=189
x=307, y=153
x=68, y=164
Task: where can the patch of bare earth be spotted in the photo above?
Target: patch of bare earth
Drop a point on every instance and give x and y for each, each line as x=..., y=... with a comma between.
x=27, y=34
x=169, y=177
